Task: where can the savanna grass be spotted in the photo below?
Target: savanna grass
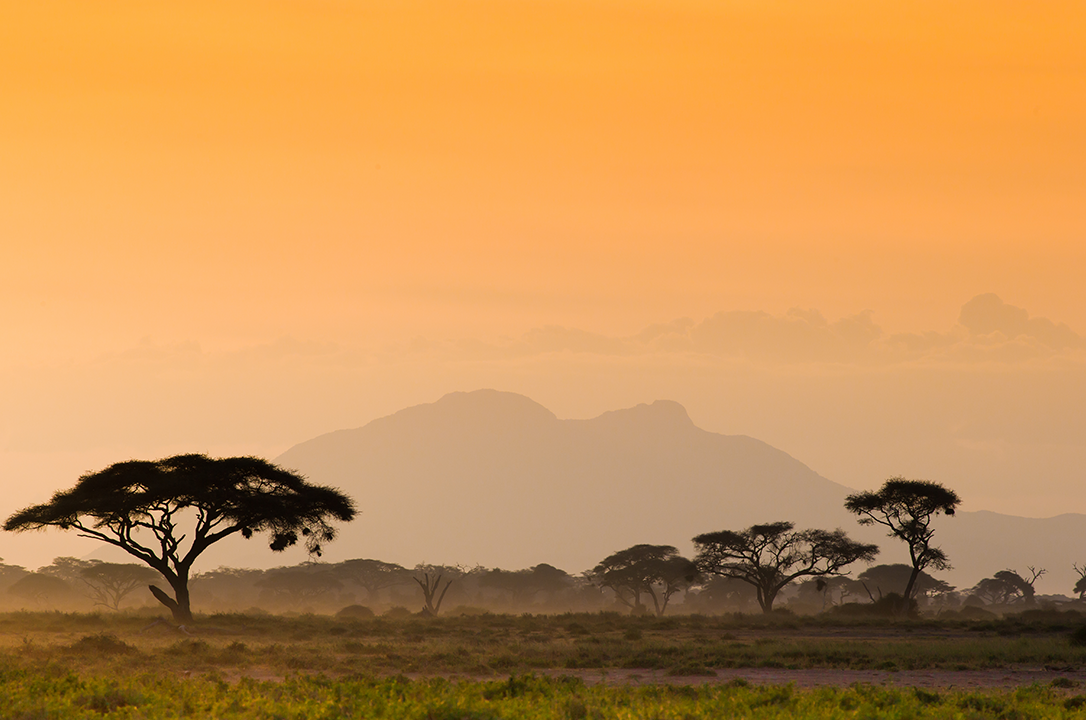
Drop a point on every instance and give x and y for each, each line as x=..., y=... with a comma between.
x=494, y=645
x=65, y=695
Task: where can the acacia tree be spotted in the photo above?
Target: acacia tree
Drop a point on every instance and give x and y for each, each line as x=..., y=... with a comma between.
x=298, y=584
x=1008, y=586
x=110, y=583
x=773, y=555
x=906, y=508
x=140, y=506
x=654, y=570
x=886, y=579
x=373, y=575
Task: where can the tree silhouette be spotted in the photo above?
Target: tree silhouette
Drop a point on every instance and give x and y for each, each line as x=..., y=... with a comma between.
x=373, y=575
x=139, y=506
x=773, y=555
x=110, y=583
x=893, y=578
x=654, y=570
x=432, y=591
x=298, y=584
x=42, y=589
x=1080, y=584
x=1008, y=586
x=906, y=508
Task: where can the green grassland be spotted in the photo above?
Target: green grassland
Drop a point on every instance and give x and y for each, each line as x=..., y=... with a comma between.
x=59, y=665
x=59, y=694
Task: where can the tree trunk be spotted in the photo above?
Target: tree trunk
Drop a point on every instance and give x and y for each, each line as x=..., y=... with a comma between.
x=179, y=606
x=765, y=599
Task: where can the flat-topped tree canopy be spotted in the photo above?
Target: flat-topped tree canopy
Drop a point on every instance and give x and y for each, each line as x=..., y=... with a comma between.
x=906, y=508
x=136, y=505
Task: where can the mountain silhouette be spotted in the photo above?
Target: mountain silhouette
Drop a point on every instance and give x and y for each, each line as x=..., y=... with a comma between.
x=495, y=478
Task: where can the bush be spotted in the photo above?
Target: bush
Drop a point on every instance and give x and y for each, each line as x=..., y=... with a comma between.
x=102, y=644
x=354, y=612
x=890, y=605
x=1077, y=638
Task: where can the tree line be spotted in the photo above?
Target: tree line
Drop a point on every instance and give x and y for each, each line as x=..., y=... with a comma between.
x=167, y=513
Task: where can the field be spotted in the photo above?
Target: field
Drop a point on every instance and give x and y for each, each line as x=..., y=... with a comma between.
x=55, y=665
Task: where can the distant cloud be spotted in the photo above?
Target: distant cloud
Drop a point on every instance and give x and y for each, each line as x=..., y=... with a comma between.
x=798, y=335
x=988, y=315
x=988, y=330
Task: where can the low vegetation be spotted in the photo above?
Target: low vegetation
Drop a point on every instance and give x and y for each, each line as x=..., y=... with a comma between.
x=485, y=645
x=524, y=696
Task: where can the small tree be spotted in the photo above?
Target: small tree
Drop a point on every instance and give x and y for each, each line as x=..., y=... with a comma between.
x=433, y=593
x=1008, y=586
x=1080, y=584
x=373, y=575
x=139, y=506
x=299, y=584
x=654, y=570
x=906, y=508
x=110, y=583
x=893, y=578
x=771, y=556
x=41, y=589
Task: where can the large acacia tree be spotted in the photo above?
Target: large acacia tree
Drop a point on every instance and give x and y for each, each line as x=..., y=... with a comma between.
x=771, y=556
x=168, y=512
x=906, y=508
x=654, y=570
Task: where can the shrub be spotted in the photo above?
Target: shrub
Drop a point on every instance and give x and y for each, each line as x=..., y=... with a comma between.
x=355, y=612
x=1077, y=638
x=102, y=644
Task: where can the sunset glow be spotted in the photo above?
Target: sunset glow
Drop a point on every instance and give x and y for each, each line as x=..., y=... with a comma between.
x=229, y=226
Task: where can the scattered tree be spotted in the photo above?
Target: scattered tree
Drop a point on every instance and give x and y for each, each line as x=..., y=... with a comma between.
x=906, y=508
x=654, y=570
x=773, y=555
x=881, y=580
x=372, y=575
x=1007, y=587
x=41, y=589
x=1080, y=584
x=110, y=583
x=300, y=583
x=433, y=594
x=138, y=505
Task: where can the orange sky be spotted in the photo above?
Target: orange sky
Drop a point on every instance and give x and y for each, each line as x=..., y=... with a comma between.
x=232, y=174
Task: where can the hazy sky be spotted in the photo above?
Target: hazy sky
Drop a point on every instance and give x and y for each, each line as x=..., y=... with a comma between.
x=852, y=230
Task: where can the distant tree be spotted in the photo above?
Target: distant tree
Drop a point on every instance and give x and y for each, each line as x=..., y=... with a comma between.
x=372, y=575
x=657, y=571
x=773, y=555
x=137, y=505
x=67, y=568
x=41, y=589
x=1080, y=584
x=10, y=574
x=229, y=587
x=300, y=583
x=521, y=587
x=110, y=583
x=825, y=592
x=1008, y=586
x=429, y=579
x=894, y=578
x=906, y=508
x=724, y=594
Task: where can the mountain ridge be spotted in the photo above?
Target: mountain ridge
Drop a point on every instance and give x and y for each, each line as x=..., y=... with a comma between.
x=496, y=478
